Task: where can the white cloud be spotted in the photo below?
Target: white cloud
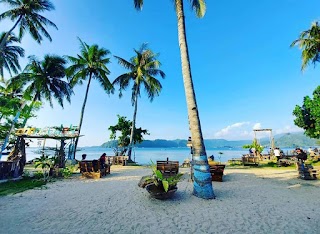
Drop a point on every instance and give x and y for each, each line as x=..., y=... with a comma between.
x=244, y=131
x=257, y=126
x=233, y=131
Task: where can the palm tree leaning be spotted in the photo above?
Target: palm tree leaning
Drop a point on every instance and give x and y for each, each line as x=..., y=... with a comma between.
x=90, y=63
x=309, y=42
x=202, y=177
x=44, y=80
x=143, y=67
x=9, y=55
x=41, y=80
x=27, y=17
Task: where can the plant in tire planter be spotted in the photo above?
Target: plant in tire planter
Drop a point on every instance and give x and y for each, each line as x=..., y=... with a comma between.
x=160, y=186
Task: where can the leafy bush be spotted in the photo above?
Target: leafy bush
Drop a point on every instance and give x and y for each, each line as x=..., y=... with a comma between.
x=66, y=172
x=38, y=175
x=44, y=162
x=26, y=175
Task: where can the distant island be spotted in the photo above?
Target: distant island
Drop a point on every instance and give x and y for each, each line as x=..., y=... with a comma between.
x=288, y=140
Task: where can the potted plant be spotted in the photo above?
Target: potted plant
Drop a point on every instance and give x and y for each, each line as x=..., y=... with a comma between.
x=256, y=146
x=160, y=186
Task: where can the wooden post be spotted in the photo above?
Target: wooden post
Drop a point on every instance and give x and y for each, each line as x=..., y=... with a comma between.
x=61, y=154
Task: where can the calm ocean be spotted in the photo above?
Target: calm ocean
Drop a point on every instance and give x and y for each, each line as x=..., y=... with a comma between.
x=145, y=155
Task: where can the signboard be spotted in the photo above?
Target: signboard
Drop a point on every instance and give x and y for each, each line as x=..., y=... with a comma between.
x=49, y=131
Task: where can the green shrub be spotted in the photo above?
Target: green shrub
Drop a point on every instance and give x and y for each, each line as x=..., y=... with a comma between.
x=26, y=175
x=66, y=172
x=38, y=175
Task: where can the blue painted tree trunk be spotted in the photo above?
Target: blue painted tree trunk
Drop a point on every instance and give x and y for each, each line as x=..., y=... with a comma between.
x=202, y=183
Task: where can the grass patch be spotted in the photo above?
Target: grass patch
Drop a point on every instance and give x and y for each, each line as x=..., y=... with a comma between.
x=18, y=186
x=316, y=163
x=133, y=164
x=273, y=164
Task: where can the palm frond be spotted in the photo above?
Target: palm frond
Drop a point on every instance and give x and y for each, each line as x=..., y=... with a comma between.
x=199, y=6
x=125, y=63
x=138, y=4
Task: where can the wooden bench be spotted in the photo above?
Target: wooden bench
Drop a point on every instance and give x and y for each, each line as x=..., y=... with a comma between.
x=92, y=169
x=306, y=171
x=10, y=169
x=248, y=160
x=168, y=168
x=117, y=160
x=283, y=162
x=216, y=172
x=235, y=161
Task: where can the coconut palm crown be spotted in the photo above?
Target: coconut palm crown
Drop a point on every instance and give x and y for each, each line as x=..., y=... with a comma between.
x=26, y=14
x=9, y=55
x=143, y=69
x=44, y=80
x=309, y=43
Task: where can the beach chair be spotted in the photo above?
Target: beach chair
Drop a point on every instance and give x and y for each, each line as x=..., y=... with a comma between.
x=216, y=171
x=92, y=169
x=168, y=168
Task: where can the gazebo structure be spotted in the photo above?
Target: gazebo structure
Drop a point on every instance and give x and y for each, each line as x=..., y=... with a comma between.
x=16, y=160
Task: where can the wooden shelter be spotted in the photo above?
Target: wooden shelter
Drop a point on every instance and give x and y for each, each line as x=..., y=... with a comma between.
x=13, y=167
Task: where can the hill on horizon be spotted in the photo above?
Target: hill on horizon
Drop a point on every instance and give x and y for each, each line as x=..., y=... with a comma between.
x=288, y=140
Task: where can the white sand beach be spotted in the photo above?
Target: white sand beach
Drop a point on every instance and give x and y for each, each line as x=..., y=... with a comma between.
x=248, y=201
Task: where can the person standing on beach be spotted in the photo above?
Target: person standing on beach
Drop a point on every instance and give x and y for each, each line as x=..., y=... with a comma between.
x=277, y=153
x=252, y=151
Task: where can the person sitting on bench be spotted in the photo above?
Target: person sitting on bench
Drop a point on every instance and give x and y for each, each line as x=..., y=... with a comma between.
x=302, y=156
x=103, y=161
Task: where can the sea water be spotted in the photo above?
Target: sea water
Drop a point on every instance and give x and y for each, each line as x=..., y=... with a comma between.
x=144, y=156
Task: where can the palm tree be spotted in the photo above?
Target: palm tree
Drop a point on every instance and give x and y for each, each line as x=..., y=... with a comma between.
x=143, y=67
x=44, y=80
x=9, y=55
x=26, y=14
x=41, y=80
x=309, y=42
x=202, y=177
x=91, y=63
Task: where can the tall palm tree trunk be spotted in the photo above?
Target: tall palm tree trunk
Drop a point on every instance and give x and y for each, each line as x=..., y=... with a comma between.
x=202, y=185
x=14, y=121
x=82, y=113
x=3, y=42
x=133, y=122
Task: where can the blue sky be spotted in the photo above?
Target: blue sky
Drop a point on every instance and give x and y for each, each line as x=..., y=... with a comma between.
x=245, y=73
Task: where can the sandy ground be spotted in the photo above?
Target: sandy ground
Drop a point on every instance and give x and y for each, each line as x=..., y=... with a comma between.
x=248, y=201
